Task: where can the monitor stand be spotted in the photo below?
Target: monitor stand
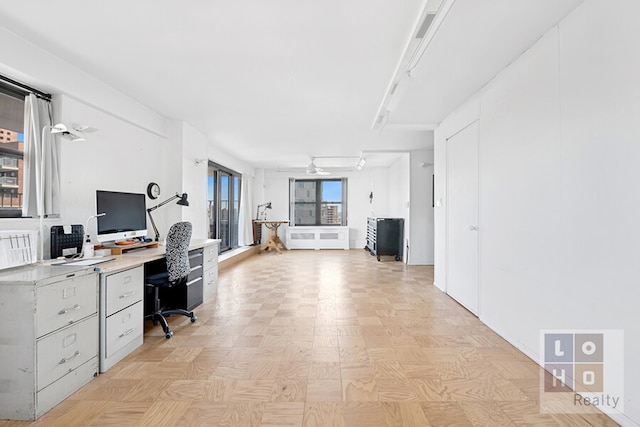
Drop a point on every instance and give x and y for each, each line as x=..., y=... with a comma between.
x=120, y=249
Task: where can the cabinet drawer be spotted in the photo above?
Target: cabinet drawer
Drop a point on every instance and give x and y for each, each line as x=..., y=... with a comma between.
x=123, y=327
x=66, y=302
x=196, y=271
x=123, y=289
x=210, y=256
x=55, y=393
x=195, y=257
x=210, y=285
x=65, y=350
x=194, y=293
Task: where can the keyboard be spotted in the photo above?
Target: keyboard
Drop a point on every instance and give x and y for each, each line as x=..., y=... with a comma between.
x=136, y=250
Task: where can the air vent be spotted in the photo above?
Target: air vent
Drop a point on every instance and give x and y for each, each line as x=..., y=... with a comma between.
x=425, y=25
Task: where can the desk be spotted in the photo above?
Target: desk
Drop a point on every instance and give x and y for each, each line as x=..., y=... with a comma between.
x=274, y=241
x=122, y=295
x=65, y=323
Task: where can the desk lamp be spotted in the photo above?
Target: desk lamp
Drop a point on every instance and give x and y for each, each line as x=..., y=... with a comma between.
x=87, y=248
x=182, y=202
x=264, y=211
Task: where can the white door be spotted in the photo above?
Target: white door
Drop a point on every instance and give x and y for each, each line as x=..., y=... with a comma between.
x=462, y=217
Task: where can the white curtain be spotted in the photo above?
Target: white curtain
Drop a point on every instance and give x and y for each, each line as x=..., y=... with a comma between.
x=292, y=202
x=42, y=176
x=245, y=226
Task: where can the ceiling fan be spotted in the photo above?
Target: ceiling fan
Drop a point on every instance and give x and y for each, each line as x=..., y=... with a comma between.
x=312, y=169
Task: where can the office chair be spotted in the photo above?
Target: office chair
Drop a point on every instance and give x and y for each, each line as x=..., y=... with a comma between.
x=178, y=268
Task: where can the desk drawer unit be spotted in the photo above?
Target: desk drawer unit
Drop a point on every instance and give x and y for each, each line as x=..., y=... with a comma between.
x=121, y=314
x=123, y=289
x=65, y=350
x=64, y=303
x=190, y=295
x=210, y=274
x=123, y=327
x=194, y=282
x=210, y=285
x=49, y=346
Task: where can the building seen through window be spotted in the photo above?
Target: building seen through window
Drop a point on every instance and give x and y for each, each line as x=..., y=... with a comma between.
x=11, y=154
x=223, y=200
x=319, y=202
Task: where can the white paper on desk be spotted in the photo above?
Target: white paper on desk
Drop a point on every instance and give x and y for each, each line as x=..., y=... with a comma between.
x=17, y=247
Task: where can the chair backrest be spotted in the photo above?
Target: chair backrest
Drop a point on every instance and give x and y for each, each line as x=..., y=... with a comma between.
x=177, y=254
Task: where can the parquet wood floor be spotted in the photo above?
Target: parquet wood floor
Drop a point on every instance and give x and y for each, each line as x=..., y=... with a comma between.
x=319, y=338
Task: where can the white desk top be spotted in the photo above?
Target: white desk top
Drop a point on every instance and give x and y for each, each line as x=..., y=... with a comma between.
x=30, y=274
x=139, y=257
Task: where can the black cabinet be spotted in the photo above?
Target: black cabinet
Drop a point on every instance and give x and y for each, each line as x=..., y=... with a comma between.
x=194, y=292
x=187, y=296
x=385, y=236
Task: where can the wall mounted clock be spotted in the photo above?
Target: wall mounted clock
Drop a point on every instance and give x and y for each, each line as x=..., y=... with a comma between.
x=153, y=190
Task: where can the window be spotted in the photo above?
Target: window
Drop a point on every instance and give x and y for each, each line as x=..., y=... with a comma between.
x=319, y=201
x=223, y=205
x=11, y=151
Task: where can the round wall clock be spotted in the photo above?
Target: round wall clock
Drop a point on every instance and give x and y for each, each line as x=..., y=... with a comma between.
x=153, y=190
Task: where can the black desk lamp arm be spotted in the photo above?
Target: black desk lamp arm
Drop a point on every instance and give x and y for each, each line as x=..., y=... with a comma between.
x=153, y=224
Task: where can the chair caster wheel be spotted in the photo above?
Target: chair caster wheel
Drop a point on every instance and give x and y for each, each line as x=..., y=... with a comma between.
x=193, y=319
x=168, y=334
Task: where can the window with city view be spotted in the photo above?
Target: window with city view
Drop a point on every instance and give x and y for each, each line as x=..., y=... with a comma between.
x=11, y=152
x=319, y=201
x=223, y=205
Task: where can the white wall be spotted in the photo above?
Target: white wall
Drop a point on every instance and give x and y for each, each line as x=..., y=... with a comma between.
x=194, y=179
x=558, y=192
x=26, y=62
x=380, y=187
x=399, y=190
x=132, y=147
x=216, y=153
x=400, y=195
x=118, y=157
x=402, y=190
x=421, y=209
x=360, y=206
x=360, y=185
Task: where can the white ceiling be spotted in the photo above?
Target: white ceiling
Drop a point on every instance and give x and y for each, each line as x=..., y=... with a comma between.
x=276, y=82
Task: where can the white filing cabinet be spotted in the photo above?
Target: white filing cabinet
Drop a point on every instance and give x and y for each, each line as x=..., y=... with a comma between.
x=121, y=314
x=48, y=345
x=210, y=273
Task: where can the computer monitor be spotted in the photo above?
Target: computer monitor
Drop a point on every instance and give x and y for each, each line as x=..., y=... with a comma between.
x=125, y=215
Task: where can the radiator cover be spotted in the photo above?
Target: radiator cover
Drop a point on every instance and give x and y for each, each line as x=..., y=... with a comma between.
x=314, y=237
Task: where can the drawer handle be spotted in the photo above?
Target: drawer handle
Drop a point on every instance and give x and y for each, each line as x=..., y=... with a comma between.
x=125, y=333
x=127, y=294
x=66, y=359
x=66, y=310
